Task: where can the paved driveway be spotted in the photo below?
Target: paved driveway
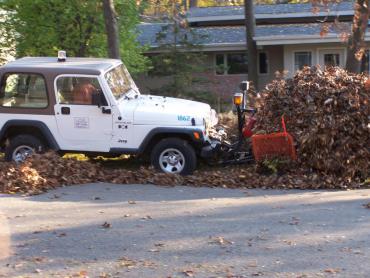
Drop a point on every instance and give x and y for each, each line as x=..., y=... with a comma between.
x=106, y=230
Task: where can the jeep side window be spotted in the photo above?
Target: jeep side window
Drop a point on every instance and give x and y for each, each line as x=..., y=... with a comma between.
x=22, y=90
x=77, y=90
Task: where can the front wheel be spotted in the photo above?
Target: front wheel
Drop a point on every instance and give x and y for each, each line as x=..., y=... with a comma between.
x=21, y=147
x=174, y=156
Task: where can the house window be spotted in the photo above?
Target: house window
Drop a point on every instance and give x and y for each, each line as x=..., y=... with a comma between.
x=231, y=63
x=332, y=60
x=237, y=63
x=220, y=64
x=24, y=91
x=263, y=63
x=301, y=59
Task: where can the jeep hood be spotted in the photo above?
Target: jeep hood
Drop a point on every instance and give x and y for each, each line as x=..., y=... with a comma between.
x=167, y=111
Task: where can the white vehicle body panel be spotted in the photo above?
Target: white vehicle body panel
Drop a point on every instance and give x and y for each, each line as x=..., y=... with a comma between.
x=48, y=120
x=133, y=117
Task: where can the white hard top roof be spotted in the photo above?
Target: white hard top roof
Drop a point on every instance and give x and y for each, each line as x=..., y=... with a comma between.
x=74, y=65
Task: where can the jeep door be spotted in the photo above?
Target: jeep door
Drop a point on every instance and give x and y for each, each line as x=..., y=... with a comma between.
x=83, y=124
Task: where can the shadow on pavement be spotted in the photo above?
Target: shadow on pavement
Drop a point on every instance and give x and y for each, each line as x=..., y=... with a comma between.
x=282, y=232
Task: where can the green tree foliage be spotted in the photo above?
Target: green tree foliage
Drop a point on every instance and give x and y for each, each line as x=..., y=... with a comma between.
x=181, y=58
x=42, y=27
x=6, y=40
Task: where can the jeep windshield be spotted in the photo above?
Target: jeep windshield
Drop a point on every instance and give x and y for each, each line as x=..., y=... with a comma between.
x=119, y=81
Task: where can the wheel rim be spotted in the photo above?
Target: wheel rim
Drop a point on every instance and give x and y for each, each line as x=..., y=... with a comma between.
x=172, y=161
x=21, y=153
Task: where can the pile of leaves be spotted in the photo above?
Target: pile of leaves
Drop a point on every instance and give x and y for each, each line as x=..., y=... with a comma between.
x=43, y=172
x=328, y=114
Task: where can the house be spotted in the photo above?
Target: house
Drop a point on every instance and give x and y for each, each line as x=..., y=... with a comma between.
x=288, y=36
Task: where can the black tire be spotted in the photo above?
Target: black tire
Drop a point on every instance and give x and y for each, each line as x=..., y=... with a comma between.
x=23, y=140
x=181, y=146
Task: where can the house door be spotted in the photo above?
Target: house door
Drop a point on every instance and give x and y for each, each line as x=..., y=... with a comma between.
x=331, y=58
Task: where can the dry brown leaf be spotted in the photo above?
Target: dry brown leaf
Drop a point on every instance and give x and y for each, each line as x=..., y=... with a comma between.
x=106, y=225
x=128, y=263
x=332, y=270
x=221, y=241
x=188, y=273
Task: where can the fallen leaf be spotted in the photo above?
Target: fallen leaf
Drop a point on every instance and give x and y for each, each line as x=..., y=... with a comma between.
x=188, y=273
x=83, y=274
x=252, y=264
x=332, y=270
x=106, y=225
x=128, y=263
x=221, y=241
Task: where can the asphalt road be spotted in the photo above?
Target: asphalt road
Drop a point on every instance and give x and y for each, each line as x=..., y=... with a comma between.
x=106, y=230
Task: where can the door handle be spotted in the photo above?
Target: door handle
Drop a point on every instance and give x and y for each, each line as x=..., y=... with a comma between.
x=66, y=110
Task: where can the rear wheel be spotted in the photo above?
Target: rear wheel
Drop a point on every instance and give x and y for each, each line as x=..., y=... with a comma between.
x=22, y=146
x=174, y=156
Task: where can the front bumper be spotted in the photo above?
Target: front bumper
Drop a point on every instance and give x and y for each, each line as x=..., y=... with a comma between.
x=211, y=150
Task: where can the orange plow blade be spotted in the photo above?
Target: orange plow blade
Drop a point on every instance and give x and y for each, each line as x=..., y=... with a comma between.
x=267, y=146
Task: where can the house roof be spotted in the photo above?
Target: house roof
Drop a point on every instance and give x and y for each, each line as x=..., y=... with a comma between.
x=233, y=36
x=270, y=11
x=279, y=24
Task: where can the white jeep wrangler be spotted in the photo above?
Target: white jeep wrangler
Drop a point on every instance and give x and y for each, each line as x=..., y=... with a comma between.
x=92, y=106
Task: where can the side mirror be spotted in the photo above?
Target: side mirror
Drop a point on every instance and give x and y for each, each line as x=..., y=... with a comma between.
x=244, y=86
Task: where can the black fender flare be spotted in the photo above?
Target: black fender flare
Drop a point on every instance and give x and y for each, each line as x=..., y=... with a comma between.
x=40, y=126
x=172, y=131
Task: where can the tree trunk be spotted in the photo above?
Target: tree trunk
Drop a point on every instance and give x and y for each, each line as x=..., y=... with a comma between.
x=356, y=42
x=111, y=27
x=250, y=24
